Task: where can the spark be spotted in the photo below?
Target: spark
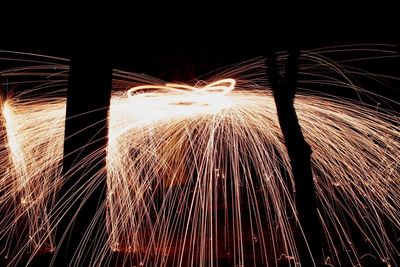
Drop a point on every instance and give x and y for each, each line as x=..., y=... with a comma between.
x=200, y=172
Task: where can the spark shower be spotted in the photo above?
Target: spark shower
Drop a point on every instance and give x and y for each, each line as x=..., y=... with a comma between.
x=199, y=171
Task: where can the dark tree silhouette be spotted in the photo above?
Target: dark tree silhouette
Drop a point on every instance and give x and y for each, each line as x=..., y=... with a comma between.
x=284, y=90
x=86, y=131
x=88, y=100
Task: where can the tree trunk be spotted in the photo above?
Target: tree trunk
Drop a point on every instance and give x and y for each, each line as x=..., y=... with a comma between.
x=299, y=151
x=86, y=130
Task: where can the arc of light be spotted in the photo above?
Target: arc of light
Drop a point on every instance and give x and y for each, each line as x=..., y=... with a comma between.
x=220, y=87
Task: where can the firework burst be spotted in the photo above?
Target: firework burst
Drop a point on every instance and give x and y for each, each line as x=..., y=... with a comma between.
x=198, y=174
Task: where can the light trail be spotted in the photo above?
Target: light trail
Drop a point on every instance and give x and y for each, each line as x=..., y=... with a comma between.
x=197, y=173
x=215, y=88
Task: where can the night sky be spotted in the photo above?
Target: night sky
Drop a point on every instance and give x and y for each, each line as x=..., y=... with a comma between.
x=182, y=39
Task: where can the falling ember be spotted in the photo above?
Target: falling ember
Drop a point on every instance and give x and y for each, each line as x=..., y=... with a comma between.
x=199, y=175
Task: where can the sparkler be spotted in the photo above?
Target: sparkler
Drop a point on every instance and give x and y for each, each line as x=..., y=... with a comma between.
x=200, y=172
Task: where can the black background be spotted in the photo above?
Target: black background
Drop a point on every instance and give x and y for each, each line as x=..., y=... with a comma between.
x=182, y=39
